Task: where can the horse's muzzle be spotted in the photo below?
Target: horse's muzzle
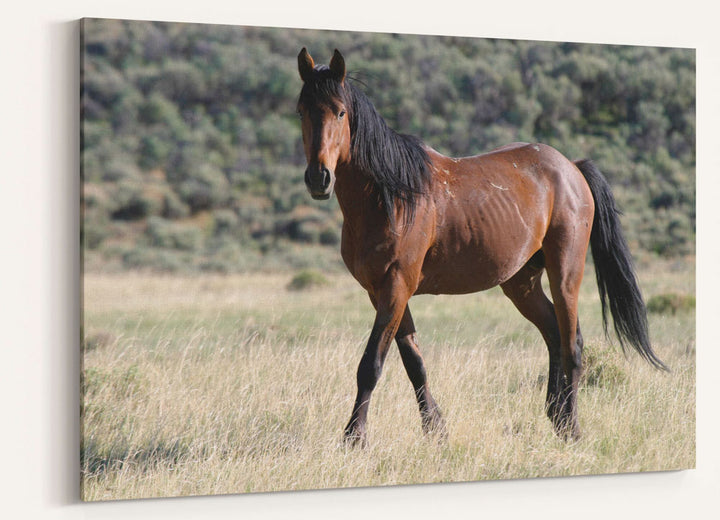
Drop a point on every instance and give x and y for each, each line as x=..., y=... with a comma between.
x=319, y=181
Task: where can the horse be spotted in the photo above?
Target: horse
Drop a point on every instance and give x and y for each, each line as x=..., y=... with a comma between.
x=418, y=222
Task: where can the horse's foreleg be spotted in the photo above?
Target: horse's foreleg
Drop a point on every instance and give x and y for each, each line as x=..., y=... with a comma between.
x=432, y=421
x=391, y=299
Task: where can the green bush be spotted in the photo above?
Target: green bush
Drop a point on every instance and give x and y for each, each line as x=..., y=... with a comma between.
x=98, y=340
x=307, y=279
x=132, y=202
x=173, y=235
x=602, y=368
x=153, y=152
x=671, y=303
x=205, y=188
x=225, y=220
x=173, y=206
x=95, y=229
x=158, y=260
x=330, y=236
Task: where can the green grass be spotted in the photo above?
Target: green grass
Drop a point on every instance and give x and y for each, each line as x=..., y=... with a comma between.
x=229, y=384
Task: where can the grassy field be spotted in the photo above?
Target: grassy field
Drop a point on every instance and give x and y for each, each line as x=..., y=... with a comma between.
x=232, y=384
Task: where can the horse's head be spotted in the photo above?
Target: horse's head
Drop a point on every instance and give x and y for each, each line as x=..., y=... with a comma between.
x=323, y=108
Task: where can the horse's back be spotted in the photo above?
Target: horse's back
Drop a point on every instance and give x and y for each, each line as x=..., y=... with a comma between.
x=538, y=176
x=493, y=212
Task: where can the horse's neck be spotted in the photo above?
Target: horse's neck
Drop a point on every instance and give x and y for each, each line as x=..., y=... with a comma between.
x=355, y=191
x=350, y=185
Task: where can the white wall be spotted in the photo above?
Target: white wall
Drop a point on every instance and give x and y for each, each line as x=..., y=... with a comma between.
x=39, y=279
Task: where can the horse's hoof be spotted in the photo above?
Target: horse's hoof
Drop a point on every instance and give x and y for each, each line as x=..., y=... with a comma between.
x=355, y=438
x=566, y=428
x=571, y=434
x=434, y=425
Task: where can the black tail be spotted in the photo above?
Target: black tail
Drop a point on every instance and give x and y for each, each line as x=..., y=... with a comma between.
x=616, y=279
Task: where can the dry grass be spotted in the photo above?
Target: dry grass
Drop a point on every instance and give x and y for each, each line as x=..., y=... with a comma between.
x=230, y=384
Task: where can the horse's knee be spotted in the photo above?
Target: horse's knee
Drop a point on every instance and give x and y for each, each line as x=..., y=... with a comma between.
x=368, y=373
x=412, y=359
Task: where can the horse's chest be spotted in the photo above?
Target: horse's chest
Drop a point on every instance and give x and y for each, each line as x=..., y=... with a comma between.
x=365, y=259
x=369, y=256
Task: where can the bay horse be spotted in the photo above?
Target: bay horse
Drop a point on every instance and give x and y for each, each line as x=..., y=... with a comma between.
x=417, y=222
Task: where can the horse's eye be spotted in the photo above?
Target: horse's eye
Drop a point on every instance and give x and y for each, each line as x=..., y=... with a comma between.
x=299, y=114
x=341, y=114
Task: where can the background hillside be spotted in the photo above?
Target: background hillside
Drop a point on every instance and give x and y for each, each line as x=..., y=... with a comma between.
x=192, y=157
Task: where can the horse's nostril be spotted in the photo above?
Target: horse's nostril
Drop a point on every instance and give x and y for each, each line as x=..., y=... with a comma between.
x=318, y=178
x=325, y=177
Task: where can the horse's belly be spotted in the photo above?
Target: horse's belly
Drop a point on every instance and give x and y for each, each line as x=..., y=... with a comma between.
x=475, y=259
x=467, y=273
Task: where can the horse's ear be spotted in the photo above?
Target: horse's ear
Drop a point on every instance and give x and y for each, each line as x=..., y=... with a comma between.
x=337, y=66
x=305, y=64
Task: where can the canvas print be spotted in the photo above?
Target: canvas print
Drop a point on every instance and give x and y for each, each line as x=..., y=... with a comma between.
x=325, y=259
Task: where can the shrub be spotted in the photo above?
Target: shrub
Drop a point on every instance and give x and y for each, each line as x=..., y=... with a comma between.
x=173, y=235
x=226, y=221
x=173, y=207
x=601, y=368
x=133, y=202
x=98, y=340
x=204, y=188
x=158, y=260
x=94, y=230
x=307, y=279
x=118, y=170
x=671, y=303
x=153, y=152
x=330, y=236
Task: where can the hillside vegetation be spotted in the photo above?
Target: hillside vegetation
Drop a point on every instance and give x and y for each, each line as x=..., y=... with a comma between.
x=191, y=149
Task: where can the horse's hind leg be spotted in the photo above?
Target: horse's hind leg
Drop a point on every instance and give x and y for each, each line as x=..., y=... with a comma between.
x=525, y=291
x=432, y=421
x=565, y=263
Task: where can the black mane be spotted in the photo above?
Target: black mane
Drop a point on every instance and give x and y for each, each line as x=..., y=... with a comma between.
x=397, y=163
